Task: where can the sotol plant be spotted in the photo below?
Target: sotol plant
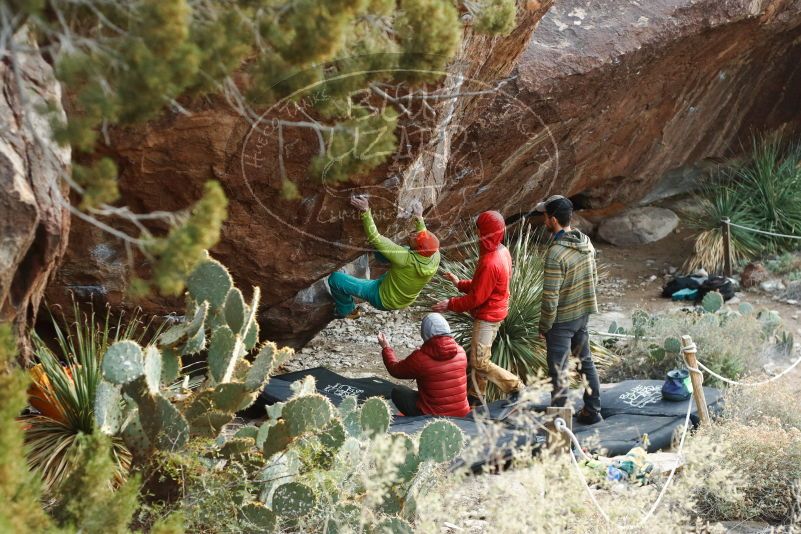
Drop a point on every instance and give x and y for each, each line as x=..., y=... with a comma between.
x=137, y=398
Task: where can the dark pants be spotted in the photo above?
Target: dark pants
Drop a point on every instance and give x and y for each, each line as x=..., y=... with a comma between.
x=562, y=340
x=405, y=399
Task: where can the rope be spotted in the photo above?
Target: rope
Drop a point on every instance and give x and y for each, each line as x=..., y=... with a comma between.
x=560, y=425
x=746, y=384
x=622, y=336
x=763, y=232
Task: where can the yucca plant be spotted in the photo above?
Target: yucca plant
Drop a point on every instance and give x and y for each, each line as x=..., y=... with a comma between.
x=762, y=192
x=517, y=346
x=717, y=200
x=63, y=389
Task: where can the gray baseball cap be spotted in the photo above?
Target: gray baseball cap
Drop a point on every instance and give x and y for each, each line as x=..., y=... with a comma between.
x=553, y=204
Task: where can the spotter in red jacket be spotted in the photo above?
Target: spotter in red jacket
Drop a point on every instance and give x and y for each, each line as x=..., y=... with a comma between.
x=487, y=294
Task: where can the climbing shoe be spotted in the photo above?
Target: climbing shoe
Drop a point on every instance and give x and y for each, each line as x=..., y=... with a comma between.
x=355, y=314
x=588, y=417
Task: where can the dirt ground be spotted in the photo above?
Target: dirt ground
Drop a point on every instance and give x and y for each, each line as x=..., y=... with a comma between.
x=633, y=280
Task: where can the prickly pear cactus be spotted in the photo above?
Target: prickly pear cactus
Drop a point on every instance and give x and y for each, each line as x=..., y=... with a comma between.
x=712, y=302
x=219, y=321
x=293, y=500
x=375, y=416
x=672, y=345
x=440, y=441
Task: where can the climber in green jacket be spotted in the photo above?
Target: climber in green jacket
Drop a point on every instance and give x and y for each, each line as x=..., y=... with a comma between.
x=410, y=268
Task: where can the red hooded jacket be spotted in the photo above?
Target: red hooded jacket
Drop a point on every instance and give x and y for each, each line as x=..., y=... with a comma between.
x=487, y=294
x=440, y=369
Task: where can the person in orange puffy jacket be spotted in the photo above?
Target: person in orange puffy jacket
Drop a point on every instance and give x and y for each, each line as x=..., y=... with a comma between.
x=486, y=298
x=440, y=368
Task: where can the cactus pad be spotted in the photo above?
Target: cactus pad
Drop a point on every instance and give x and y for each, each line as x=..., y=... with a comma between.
x=247, y=432
x=257, y=518
x=712, y=302
x=408, y=468
x=163, y=424
x=613, y=327
x=170, y=365
x=251, y=337
x=210, y=281
x=440, y=441
x=234, y=310
x=391, y=525
x=236, y=447
x=209, y=424
x=123, y=362
x=307, y=414
x=232, y=397
x=672, y=345
x=276, y=438
x=746, y=308
x=262, y=366
x=223, y=354
x=108, y=414
x=135, y=438
x=293, y=500
x=375, y=416
x=152, y=367
x=333, y=436
x=195, y=343
x=173, y=335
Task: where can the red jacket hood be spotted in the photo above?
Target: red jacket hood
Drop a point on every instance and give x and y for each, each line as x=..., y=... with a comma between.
x=441, y=348
x=491, y=229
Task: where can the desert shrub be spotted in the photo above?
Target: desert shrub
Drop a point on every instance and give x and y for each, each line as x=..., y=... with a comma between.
x=517, y=347
x=546, y=494
x=761, y=192
x=767, y=456
x=19, y=487
x=65, y=382
x=730, y=343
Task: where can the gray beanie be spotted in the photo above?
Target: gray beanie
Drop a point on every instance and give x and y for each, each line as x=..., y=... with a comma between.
x=433, y=325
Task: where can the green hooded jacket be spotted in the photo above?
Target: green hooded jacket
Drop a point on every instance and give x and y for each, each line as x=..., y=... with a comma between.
x=409, y=271
x=571, y=276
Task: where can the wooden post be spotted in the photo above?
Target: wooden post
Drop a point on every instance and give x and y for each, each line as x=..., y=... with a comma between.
x=558, y=441
x=726, y=230
x=696, y=378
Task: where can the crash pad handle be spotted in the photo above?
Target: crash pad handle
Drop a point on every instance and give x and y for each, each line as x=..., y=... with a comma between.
x=689, y=350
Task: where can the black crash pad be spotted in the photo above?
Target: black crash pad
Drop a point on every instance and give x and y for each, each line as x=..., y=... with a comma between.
x=618, y=434
x=329, y=384
x=630, y=409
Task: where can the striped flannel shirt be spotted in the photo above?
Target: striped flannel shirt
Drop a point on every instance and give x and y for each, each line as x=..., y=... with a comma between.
x=571, y=276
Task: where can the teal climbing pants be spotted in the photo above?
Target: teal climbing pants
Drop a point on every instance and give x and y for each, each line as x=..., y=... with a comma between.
x=344, y=287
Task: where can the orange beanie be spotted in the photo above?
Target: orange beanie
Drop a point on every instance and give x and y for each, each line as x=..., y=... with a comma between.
x=426, y=243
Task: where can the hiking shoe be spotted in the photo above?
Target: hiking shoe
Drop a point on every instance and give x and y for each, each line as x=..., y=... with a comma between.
x=355, y=314
x=588, y=417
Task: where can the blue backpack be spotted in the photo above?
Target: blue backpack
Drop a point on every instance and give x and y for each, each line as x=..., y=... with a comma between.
x=677, y=386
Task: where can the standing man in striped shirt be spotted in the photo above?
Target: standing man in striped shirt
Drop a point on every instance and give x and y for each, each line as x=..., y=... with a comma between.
x=568, y=299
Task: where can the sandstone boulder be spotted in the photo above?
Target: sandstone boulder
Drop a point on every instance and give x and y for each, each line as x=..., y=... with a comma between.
x=34, y=208
x=638, y=226
x=604, y=101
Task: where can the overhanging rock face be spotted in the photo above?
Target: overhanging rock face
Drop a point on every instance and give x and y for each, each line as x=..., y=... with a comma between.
x=629, y=91
x=603, y=100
